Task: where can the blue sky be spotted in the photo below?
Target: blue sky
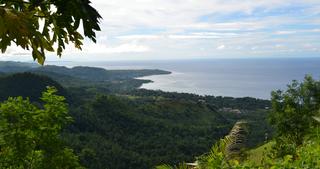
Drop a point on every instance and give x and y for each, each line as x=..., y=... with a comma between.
x=184, y=29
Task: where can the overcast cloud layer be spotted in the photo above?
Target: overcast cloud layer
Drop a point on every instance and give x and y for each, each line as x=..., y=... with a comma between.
x=176, y=29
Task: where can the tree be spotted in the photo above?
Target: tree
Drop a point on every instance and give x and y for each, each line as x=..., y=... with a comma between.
x=292, y=112
x=40, y=25
x=29, y=135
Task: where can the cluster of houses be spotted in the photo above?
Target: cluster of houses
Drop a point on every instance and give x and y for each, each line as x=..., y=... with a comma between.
x=231, y=110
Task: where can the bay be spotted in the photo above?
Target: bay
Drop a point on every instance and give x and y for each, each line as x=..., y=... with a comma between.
x=220, y=77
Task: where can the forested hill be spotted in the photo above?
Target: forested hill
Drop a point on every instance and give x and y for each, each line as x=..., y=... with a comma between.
x=27, y=85
x=107, y=80
x=14, y=67
x=81, y=72
x=84, y=72
x=99, y=74
x=119, y=126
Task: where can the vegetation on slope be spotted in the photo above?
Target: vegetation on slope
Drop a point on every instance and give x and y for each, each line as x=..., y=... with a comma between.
x=86, y=77
x=141, y=130
x=295, y=116
x=26, y=85
x=29, y=135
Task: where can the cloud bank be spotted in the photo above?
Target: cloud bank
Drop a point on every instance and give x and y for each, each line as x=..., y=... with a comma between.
x=176, y=29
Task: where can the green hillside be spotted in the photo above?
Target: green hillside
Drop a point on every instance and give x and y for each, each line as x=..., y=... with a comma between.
x=296, y=142
x=119, y=128
x=26, y=85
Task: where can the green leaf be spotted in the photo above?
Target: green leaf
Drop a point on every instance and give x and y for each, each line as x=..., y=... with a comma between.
x=20, y=22
x=316, y=118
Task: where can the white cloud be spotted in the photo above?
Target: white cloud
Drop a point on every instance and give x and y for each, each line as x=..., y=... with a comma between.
x=15, y=50
x=179, y=28
x=227, y=26
x=221, y=47
x=168, y=12
x=285, y=32
x=192, y=37
x=92, y=48
x=122, y=48
x=137, y=37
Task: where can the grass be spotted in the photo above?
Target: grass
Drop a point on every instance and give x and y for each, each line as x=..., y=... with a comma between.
x=256, y=155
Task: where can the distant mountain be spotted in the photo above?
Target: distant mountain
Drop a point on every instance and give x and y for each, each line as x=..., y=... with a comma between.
x=14, y=67
x=99, y=74
x=82, y=72
x=98, y=78
x=26, y=85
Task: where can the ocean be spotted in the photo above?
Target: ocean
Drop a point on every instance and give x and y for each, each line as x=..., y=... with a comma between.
x=220, y=77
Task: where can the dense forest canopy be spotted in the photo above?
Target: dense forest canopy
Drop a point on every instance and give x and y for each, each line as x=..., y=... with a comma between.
x=296, y=143
x=120, y=126
x=26, y=85
x=29, y=135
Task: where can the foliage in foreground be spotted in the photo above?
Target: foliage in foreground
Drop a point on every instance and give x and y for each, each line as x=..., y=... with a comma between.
x=295, y=116
x=306, y=157
x=20, y=23
x=119, y=131
x=29, y=134
x=292, y=112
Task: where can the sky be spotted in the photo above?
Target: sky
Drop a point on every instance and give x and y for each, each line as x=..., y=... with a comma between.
x=187, y=29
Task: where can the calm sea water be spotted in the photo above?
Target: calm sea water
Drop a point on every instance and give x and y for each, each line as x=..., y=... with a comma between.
x=221, y=77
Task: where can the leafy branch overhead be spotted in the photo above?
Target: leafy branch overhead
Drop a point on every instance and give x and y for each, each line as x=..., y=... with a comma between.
x=46, y=25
